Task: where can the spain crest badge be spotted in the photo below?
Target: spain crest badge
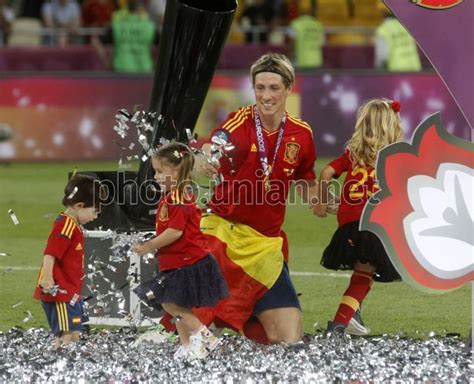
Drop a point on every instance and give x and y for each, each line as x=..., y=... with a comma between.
x=163, y=213
x=291, y=152
x=437, y=4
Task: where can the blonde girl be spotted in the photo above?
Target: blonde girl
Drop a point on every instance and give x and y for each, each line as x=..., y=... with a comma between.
x=378, y=125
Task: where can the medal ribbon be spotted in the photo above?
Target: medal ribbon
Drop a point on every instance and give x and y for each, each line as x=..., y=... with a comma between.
x=262, y=152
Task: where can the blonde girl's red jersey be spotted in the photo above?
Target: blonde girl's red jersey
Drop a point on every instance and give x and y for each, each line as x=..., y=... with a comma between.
x=359, y=185
x=66, y=245
x=242, y=197
x=175, y=211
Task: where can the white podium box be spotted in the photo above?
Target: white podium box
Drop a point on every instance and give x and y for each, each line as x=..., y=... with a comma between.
x=108, y=284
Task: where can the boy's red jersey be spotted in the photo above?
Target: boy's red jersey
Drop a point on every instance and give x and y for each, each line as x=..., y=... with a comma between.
x=358, y=186
x=66, y=245
x=176, y=212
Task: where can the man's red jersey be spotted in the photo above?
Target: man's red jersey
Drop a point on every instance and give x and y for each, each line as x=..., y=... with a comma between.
x=241, y=196
x=358, y=186
x=176, y=212
x=66, y=245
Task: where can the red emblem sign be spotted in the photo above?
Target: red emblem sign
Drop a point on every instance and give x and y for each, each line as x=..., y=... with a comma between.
x=424, y=211
x=437, y=4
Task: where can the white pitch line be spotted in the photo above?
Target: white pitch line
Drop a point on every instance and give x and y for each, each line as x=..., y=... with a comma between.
x=11, y=268
x=320, y=274
x=293, y=273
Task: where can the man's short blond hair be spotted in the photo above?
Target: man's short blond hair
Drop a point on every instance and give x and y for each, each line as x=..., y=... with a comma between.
x=275, y=63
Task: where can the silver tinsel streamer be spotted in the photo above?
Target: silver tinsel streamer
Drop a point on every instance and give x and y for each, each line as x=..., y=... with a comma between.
x=13, y=217
x=105, y=292
x=140, y=120
x=109, y=357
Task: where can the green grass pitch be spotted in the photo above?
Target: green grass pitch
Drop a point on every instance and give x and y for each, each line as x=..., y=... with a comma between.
x=34, y=192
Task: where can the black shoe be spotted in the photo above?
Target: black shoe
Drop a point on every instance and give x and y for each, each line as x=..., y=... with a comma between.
x=334, y=329
x=356, y=326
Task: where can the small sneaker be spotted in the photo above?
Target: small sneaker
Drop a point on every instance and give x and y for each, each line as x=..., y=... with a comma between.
x=202, y=343
x=182, y=353
x=356, y=326
x=153, y=335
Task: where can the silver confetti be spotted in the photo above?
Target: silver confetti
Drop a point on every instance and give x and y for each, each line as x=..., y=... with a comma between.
x=124, y=114
x=13, y=217
x=74, y=299
x=137, y=117
x=123, y=165
x=28, y=317
x=121, y=304
x=54, y=290
x=190, y=136
x=150, y=295
x=116, y=258
x=164, y=141
x=148, y=258
x=121, y=130
x=106, y=291
x=73, y=193
x=143, y=141
x=107, y=356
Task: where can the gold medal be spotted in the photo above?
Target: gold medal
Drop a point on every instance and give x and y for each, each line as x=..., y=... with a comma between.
x=267, y=183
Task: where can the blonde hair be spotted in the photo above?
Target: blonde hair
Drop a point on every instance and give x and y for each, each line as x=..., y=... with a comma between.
x=180, y=156
x=276, y=63
x=377, y=125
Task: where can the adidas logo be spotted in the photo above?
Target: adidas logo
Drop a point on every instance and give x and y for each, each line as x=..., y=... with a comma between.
x=79, y=247
x=253, y=148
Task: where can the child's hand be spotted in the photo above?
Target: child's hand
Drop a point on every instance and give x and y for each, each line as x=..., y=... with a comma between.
x=46, y=284
x=333, y=203
x=141, y=248
x=320, y=210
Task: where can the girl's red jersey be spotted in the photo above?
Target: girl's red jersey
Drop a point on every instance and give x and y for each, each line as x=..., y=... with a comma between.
x=358, y=186
x=176, y=212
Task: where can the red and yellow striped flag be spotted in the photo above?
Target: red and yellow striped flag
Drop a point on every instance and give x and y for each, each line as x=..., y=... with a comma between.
x=251, y=263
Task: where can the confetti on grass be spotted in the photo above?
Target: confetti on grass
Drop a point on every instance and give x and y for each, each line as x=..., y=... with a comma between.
x=28, y=317
x=108, y=356
x=15, y=220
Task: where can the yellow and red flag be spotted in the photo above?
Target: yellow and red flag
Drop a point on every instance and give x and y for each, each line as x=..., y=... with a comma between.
x=251, y=263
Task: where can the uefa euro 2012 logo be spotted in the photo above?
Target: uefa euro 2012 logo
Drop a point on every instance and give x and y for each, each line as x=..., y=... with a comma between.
x=424, y=211
x=437, y=4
